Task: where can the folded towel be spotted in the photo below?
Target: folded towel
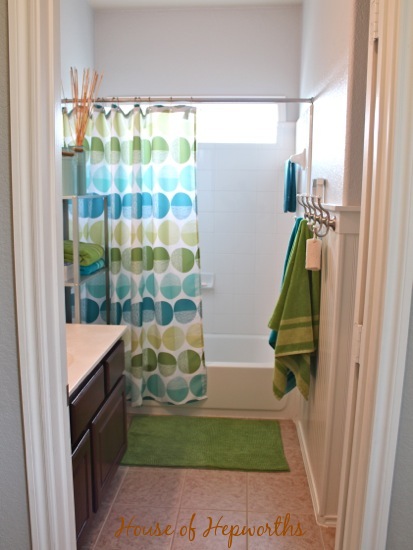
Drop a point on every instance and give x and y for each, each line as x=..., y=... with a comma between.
x=88, y=252
x=89, y=269
x=273, y=335
x=290, y=188
x=296, y=319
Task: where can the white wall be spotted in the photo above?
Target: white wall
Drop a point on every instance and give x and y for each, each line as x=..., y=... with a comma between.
x=243, y=231
x=14, y=514
x=334, y=66
x=76, y=37
x=197, y=51
x=220, y=51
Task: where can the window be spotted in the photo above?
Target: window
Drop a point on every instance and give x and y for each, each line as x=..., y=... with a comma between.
x=237, y=123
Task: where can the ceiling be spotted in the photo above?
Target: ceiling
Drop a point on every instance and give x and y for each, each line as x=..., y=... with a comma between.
x=185, y=3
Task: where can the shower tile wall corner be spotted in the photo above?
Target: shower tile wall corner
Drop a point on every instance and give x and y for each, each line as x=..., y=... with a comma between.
x=243, y=231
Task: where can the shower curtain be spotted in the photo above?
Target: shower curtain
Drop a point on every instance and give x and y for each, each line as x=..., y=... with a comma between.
x=145, y=163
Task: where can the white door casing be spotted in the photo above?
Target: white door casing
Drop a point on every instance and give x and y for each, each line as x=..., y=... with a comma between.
x=385, y=280
x=34, y=47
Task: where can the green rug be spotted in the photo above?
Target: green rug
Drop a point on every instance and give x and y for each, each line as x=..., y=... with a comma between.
x=216, y=443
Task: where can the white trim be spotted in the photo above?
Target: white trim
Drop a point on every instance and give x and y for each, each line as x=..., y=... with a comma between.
x=388, y=289
x=347, y=218
x=325, y=520
x=34, y=95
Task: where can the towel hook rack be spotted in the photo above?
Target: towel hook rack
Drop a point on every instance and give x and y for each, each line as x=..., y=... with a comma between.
x=317, y=216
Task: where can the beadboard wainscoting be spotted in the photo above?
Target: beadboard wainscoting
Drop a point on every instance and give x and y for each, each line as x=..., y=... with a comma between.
x=322, y=420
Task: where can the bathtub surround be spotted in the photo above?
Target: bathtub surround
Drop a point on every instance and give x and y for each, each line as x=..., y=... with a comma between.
x=213, y=443
x=243, y=232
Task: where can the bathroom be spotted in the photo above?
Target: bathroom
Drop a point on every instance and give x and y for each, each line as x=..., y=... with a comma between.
x=329, y=158
x=242, y=226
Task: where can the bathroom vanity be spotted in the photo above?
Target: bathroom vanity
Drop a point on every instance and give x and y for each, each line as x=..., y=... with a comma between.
x=95, y=362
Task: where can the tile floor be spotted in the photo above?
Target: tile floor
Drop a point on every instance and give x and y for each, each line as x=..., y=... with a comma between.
x=198, y=504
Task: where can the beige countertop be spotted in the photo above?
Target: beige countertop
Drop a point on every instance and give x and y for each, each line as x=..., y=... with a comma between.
x=86, y=347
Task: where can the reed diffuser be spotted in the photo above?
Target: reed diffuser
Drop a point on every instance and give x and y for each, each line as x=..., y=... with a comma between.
x=83, y=100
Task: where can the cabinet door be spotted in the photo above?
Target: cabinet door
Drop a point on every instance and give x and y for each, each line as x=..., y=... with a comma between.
x=82, y=484
x=108, y=440
x=114, y=365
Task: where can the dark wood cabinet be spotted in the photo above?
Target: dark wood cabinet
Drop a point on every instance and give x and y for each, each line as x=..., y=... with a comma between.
x=87, y=401
x=98, y=432
x=108, y=440
x=114, y=365
x=82, y=484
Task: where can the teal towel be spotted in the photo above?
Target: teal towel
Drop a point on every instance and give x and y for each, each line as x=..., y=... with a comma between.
x=89, y=269
x=296, y=319
x=88, y=252
x=290, y=188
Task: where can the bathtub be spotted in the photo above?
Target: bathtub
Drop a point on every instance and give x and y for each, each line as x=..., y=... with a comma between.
x=240, y=371
x=234, y=349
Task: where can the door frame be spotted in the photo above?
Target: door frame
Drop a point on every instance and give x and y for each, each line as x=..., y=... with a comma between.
x=34, y=61
x=35, y=107
x=384, y=286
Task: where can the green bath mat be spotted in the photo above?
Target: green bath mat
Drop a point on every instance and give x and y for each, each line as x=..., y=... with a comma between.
x=215, y=443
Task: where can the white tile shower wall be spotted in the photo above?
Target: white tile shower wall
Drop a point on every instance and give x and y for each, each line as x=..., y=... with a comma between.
x=243, y=231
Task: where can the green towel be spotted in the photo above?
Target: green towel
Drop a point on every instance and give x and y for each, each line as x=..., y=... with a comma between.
x=296, y=319
x=88, y=252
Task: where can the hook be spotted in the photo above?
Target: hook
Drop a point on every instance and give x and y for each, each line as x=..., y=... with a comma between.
x=331, y=220
x=318, y=218
x=311, y=213
x=299, y=200
x=327, y=220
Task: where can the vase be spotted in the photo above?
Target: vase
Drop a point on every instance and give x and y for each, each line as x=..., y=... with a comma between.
x=81, y=169
x=69, y=173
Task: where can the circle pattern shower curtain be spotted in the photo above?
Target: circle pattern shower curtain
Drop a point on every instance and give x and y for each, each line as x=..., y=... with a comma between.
x=145, y=163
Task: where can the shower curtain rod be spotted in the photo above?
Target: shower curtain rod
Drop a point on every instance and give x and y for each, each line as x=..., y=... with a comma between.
x=199, y=99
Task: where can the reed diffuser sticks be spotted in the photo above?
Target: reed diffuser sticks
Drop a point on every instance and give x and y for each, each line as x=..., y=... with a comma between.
x=83, y=100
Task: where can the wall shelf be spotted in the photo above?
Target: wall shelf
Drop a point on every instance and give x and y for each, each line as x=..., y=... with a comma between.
x=74, y=283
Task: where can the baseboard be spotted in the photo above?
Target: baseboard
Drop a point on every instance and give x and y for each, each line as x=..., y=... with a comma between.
x=323, y=520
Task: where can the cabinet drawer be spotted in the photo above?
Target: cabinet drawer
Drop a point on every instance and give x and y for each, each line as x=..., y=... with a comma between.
x=86, y=403
x=114, y=365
